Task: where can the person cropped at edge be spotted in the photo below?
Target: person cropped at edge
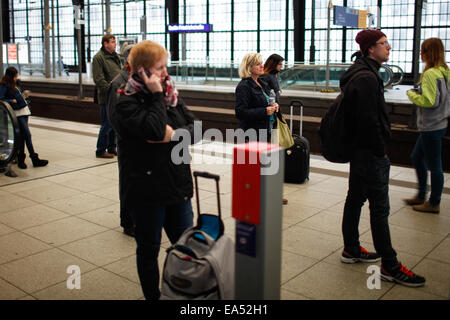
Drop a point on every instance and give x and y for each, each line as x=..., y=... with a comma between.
x=366, y=110
x=11, y=93
x=252, y=99
x=433, y=101
x=272, y=67
x=105, y=66
x=156, y=191
x=126, y=222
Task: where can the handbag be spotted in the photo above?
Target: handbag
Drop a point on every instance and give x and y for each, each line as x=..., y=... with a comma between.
x=281, y=135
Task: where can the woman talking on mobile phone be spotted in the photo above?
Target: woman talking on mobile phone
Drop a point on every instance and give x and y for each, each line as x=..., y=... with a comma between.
x=156, y=190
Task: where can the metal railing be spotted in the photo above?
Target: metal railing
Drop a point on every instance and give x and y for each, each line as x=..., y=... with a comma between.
x=314, y=76
x=204, y=72
x=27, y=68
x=293, y=76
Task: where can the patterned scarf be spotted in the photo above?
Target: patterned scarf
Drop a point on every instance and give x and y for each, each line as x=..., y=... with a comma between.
x=170, y=92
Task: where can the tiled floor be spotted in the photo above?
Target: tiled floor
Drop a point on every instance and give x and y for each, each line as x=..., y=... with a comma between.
x=68, y=214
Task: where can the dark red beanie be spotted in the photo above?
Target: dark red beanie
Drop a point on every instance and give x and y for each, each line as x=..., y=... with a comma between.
x=367, y=38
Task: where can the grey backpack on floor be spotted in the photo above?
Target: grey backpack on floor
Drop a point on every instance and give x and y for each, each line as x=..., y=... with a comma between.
x=201, y=264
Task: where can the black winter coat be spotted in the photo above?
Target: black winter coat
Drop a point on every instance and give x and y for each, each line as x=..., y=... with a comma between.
x=272, y=81
x=251, y=104
x=366, y=107
x=147, y=174
x=112, y=98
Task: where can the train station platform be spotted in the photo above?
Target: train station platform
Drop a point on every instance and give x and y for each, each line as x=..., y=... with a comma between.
x=57, y=98
x=67, y=213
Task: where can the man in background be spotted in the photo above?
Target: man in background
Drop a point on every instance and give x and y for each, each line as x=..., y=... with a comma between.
x=105, y=66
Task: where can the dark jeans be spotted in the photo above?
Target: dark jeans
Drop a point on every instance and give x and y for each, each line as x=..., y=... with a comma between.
x=369, y=180
x=175, y=219
x=25, y=136
x=106, y=137
x=427, y=155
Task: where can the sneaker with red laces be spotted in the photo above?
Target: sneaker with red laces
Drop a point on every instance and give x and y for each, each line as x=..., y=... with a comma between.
x=400, y=274
x=363, y=256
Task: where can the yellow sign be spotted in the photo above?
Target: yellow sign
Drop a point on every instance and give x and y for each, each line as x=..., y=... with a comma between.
x=48, y=27
x=362, y=19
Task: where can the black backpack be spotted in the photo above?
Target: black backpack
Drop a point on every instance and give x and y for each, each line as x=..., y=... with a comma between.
x=333, y=132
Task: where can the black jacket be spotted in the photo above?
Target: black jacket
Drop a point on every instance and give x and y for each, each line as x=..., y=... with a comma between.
x=116, y=83
x=8, y=96
x=147, y=174
x=366, y=107
x=251, y=104
x=272, y=81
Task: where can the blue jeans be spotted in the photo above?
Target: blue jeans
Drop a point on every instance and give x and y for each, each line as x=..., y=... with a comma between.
x=106, y=137
x=369, y=180
x=175, y=219
x=25, y=136
x=427, y=155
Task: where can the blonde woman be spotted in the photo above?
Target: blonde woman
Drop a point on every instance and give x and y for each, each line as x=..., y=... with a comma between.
x=433, y=101
x=252, y=98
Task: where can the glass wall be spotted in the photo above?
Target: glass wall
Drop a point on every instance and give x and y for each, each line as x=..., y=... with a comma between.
x=236, y=24
x=239, y=27
x=397, y=22
x=436, y=22
x=220, y=39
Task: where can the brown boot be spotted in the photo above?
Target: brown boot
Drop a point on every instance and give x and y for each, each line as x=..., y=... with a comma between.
x=413, y=201
x=427, y=207
x=106, y=155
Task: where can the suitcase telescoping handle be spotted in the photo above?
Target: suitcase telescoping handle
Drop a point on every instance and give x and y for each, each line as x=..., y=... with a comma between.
x=207, y=175
x=297, y=103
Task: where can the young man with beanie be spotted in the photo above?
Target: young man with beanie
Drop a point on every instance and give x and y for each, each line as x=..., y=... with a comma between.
x=106, y=65
x=366, y=111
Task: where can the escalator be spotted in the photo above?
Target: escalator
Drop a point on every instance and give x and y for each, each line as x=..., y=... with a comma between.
x=9, y=137
x=304, y=76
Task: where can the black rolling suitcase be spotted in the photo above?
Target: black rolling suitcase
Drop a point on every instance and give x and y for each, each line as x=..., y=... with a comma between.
x=296, y=165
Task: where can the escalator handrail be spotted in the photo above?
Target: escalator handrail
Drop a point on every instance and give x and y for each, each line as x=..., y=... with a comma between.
x=343, y=66
x=401, y=72
x=390, y=73
x=10, y=112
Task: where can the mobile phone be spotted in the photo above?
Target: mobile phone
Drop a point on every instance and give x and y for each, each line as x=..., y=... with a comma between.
x=147, y=72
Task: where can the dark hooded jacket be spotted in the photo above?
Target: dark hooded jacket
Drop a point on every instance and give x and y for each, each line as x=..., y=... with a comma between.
x=366, y=107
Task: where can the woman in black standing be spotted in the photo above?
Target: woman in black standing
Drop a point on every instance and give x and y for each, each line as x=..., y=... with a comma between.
x=252, y=99
x=272, y=67
x=156, y=186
